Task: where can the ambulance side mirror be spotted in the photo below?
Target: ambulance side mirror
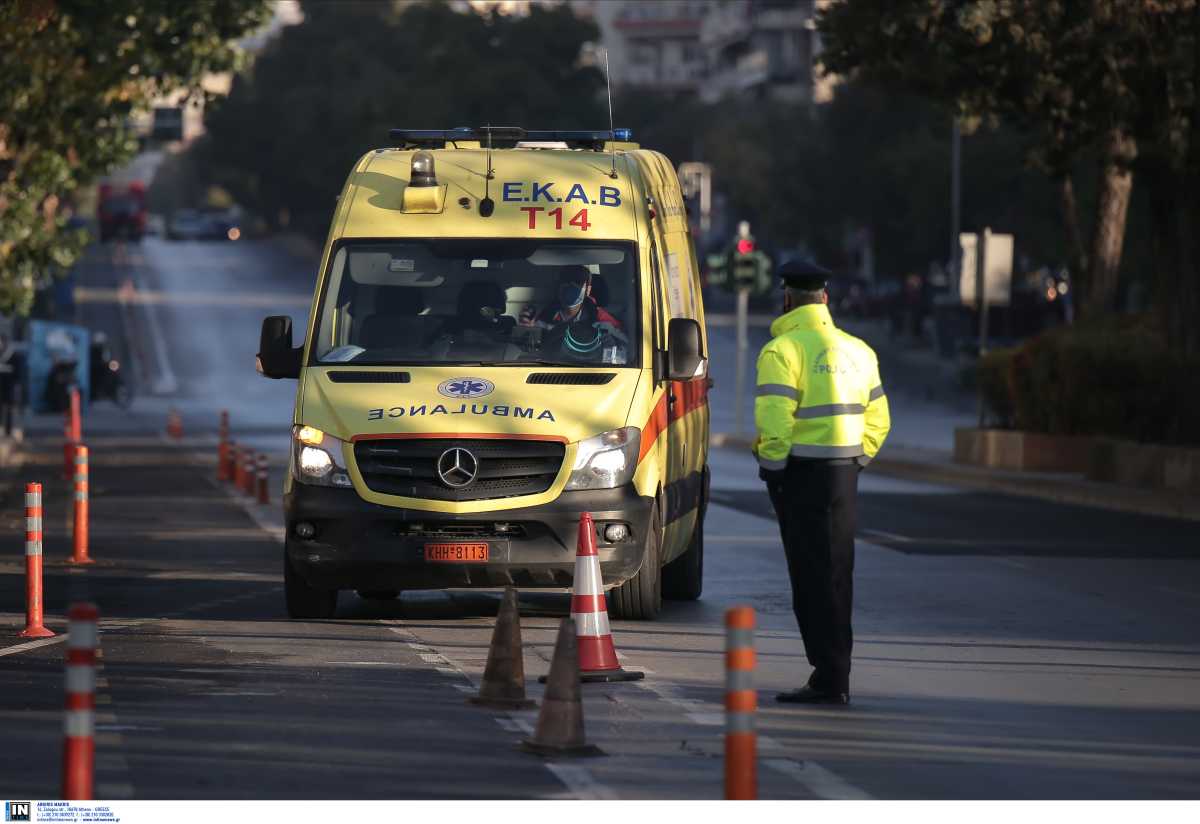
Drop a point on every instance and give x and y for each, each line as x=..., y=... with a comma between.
x=276, y=356
x=685, y=356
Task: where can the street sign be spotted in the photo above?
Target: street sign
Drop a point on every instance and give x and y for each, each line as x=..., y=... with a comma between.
x=997, y=271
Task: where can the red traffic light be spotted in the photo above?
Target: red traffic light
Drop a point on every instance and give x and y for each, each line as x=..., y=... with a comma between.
x=745, y=246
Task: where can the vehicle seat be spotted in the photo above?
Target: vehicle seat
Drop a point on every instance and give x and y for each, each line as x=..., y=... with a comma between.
x=397, y=322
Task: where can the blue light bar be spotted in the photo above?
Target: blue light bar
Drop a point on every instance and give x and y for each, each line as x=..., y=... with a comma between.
x=506, y=135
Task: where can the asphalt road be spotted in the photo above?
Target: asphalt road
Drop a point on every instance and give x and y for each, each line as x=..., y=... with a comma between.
x=1006, y=647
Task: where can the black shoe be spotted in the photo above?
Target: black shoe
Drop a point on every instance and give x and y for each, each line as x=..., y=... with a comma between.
x=808, y=695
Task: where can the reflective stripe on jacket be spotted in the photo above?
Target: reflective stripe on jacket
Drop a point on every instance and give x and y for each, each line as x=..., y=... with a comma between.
x=819, y=393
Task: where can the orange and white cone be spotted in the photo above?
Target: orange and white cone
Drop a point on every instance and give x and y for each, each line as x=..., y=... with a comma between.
x=589, y=609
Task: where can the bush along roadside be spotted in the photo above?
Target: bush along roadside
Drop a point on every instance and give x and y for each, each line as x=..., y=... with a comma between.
x=1114, y=377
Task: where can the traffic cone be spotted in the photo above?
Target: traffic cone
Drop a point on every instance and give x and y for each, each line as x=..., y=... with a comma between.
x=589, y=608
x=559, y=729
x=504, y=676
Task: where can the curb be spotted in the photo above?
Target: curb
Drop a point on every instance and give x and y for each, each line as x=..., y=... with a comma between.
x=1160, y=503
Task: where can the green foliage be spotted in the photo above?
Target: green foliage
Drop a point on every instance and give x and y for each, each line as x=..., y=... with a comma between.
x=71, y=72
x=327, y=90
x=872, y=157
x=1115, y=378
x=1116, y=78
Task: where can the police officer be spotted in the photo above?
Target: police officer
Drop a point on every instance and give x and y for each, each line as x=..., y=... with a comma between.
x=821, y=415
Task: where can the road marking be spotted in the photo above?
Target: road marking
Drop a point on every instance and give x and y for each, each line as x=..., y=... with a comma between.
x=708, y=719
x=43, y=642
x=888, y=536
x=822, y=783
x=124, y=727
x=364, y=663
x=514, y=724
x=582, y=784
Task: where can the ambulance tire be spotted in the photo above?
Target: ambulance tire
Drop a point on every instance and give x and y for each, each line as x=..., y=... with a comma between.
x=683, y=578
x=303, y=600
x=640, y=598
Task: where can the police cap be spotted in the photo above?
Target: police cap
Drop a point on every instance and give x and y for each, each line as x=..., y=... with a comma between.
x=804, y=274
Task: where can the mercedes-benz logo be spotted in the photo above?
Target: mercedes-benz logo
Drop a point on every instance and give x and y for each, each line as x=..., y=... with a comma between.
x=457, y=467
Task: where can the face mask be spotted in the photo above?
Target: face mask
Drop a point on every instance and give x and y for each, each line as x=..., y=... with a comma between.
x=571, y=295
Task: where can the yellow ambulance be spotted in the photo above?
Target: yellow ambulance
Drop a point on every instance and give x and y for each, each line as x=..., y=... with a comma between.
x=506, y=333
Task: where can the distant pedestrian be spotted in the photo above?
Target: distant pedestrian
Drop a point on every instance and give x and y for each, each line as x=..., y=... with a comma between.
x=821, y=415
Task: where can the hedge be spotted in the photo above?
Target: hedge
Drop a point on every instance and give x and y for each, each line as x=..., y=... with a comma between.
x=1115, y=378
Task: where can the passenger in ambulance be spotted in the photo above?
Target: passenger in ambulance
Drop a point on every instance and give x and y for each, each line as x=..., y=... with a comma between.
x=575, y=290
x=480, y=330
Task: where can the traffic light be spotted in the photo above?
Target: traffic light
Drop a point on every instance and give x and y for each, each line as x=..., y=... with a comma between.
x=745, y=264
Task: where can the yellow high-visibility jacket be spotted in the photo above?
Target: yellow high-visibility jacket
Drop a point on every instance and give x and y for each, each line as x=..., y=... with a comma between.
x=819, y=393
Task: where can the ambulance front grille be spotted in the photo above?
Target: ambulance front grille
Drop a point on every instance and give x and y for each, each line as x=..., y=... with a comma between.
x=506, y=468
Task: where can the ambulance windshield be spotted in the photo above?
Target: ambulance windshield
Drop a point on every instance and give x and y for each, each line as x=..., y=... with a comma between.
x=493, y=302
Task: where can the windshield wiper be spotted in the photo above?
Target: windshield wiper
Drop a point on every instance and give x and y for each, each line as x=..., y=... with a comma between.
x=522, y=363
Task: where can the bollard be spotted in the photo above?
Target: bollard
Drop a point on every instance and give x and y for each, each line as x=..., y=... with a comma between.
x=79, y=721
x=741, y=701
x=80, y=523
x=34, y=627
x=174, y=423
x=76, y=418
x=239, y=469
x=264, y=494
x=249, y=472
x=72, y=432
x=231, y=464
x=223, y=447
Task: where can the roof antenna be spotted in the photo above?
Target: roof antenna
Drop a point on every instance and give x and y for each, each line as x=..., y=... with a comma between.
x=612, y=130
x=487, y=205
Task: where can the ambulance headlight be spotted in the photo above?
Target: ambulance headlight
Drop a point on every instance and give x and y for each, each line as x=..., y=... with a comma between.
x=607, y=460
x=317, y=458
x=422, y=170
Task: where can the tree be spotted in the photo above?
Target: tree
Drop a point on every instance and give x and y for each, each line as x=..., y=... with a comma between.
x=71, y=73
x=328, y=89
x=1071, y=75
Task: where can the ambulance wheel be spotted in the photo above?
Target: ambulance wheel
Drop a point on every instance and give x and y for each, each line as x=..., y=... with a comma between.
x=640, y=598
x=303, y=600
x=683, y=578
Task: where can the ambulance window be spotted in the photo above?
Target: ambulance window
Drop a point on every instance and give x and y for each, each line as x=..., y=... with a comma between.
x=478, y=301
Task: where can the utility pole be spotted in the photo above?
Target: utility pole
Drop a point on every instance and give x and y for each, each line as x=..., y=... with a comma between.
x=981, y=302
x=955, y=202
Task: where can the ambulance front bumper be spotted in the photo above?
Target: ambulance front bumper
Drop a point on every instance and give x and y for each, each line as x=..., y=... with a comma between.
x=360, y=545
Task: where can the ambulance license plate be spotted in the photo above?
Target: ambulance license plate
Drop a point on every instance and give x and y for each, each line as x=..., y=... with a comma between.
x=456, y=553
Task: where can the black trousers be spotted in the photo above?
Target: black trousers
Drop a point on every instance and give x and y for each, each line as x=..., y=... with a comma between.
x=817, y=508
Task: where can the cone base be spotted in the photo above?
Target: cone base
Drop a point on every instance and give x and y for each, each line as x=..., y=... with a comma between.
x=550, y=751
x=80, y=561
x=36, y=632
x=503, y=703
x=605, y=676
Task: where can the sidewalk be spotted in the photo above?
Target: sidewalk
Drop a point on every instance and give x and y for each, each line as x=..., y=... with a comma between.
x=926, y=406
